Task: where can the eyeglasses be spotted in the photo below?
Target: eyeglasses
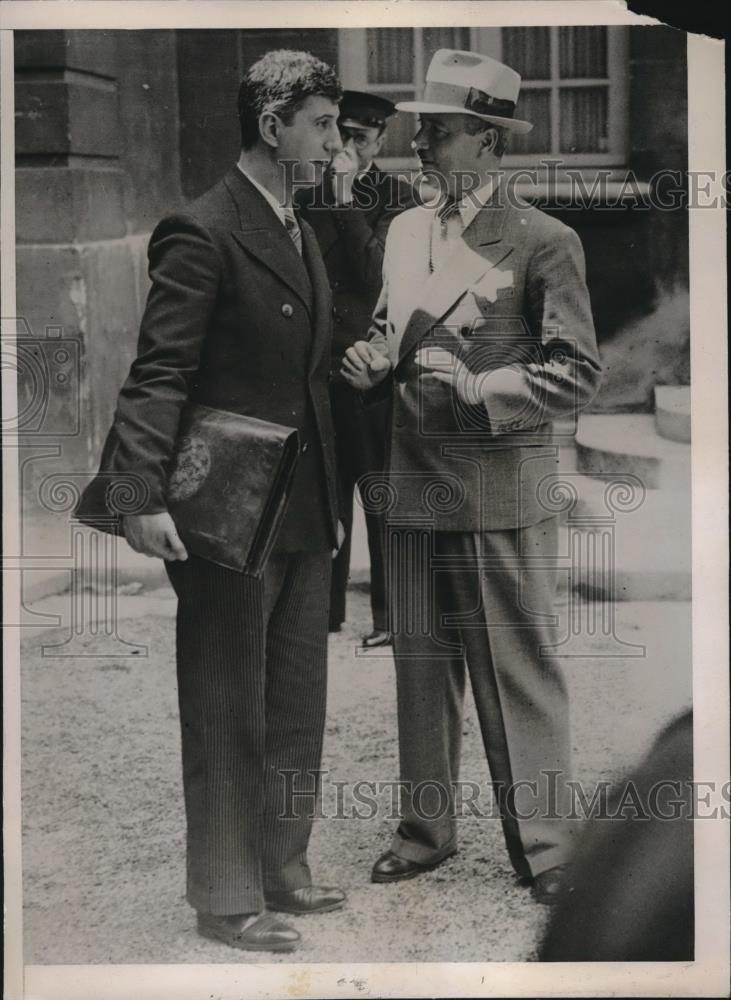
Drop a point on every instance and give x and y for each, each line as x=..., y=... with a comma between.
x=360, y=139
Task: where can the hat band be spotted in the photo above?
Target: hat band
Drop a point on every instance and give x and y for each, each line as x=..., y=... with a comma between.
x=473, y=99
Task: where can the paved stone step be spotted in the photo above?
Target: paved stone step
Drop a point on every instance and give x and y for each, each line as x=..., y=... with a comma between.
x=608, y=445
x=672, y=412
x=600, y=497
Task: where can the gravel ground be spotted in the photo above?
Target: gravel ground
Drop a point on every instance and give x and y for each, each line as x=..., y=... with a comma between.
x=102, y=802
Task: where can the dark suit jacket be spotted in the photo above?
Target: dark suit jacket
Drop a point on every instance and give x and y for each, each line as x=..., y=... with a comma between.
x=236, y=320
x=352, y=241
x=511, y=295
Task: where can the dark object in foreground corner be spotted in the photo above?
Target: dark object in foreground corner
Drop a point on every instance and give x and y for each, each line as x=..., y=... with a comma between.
x=229, y=486
x=632, y=899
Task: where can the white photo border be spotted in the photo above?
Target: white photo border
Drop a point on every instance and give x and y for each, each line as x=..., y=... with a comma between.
x=708, y=975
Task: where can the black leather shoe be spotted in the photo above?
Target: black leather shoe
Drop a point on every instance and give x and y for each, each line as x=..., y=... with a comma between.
x=249, y=931
x=310, y=899
x=377, y=638
x=550, y=887
x=391, y=868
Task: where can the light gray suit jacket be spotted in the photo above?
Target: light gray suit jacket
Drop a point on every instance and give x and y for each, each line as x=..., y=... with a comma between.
x=512, y=294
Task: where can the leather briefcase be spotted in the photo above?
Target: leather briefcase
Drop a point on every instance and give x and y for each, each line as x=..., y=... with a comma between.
x=229, y=485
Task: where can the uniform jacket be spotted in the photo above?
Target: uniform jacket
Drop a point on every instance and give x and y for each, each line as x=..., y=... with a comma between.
x=352, y=241
x=511, y=294
x=236, y=319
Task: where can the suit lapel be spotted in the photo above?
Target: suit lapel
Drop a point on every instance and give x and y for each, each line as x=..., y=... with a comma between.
x=480, y=248
x=368, y=196
x=321, y=298
x=317, y=210
x=264, y=237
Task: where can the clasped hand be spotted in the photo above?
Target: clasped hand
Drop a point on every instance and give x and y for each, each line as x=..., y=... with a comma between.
x=363, y=366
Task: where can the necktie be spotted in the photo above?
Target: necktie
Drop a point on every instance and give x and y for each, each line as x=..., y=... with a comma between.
x=293, y=229
x=440, y=232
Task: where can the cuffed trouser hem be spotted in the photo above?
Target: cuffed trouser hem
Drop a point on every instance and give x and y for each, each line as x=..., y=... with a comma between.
x=550, y=858
x=227, y=907
x=288, y=883
x=410, y=850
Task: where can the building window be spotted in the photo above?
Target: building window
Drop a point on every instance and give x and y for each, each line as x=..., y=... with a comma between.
x=574, y=87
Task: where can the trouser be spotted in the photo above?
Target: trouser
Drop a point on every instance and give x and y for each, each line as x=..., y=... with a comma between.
x=252, y=675
x=481, y=602
x=360, y=442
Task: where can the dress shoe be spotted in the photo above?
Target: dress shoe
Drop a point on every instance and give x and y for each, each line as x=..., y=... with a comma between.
x=249, y=931
x=378, y=637
x=391, y=868
x=551, y=886
x=310, y=899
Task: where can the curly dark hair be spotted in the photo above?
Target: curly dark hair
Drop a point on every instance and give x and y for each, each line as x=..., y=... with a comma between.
x=281, y=81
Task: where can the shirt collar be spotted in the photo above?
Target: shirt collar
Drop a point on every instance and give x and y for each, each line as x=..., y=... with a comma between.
x=279, y=209
x=471, y=205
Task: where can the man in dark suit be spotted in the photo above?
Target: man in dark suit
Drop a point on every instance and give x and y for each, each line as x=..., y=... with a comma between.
x=485, y=323
x=239, y=318
x=350, y=213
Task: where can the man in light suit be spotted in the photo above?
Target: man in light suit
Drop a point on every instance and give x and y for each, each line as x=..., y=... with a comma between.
x=484, y=332
x=350, y=213
x=239, y=318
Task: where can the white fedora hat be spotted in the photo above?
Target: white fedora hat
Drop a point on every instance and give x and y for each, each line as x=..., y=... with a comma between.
x=469, y=83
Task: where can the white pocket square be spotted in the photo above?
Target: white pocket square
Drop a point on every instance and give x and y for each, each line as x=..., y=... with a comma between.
x=487, y=287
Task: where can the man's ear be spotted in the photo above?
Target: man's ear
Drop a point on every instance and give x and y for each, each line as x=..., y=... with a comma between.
x=489, y=140
x=269, y=125
x=379, y=143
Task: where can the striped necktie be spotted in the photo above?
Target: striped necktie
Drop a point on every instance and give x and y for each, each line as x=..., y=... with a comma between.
x=439, y=233
x=293, y=229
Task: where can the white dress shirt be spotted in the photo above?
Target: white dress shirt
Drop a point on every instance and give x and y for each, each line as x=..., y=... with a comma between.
x=278, y=208
x=444, y=232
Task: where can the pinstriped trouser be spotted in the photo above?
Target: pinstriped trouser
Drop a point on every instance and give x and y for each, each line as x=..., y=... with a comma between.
x=497, y=622
x=252, y=680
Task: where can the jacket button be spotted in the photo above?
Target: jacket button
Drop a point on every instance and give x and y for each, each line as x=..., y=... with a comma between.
x=304, y=447
x=287, y=310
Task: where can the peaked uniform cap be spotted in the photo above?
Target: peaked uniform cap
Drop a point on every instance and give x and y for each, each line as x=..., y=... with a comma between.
x=365, y=110
x=470, y=83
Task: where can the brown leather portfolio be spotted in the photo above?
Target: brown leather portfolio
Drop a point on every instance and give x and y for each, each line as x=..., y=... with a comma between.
x=229, y=485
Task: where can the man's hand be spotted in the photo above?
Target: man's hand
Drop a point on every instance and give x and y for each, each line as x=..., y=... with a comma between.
x=491, y=389
x=154, y=535
x=363, y=366
x=343, y=169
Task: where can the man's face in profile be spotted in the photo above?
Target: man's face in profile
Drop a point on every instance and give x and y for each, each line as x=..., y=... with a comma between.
x=311, y=139
x=449, y=155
